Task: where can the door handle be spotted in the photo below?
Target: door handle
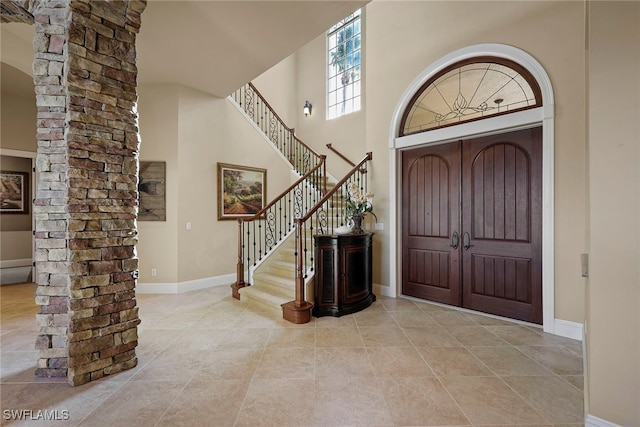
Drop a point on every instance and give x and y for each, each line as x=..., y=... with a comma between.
x=455, y=240
x=466, y=241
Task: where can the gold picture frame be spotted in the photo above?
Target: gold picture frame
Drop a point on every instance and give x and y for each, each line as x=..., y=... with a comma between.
x=242, y=191
x=14, y=192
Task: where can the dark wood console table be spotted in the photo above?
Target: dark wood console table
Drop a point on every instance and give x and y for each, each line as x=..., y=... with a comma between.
x=343, y=279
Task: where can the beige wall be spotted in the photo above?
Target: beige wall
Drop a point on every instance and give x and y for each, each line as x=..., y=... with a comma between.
x=18, y=128
x=347, y=133
x=613, y=310
x=16, y=245
x=16, y=51
x=192, y=132
x=158, y=240
x=18, y=131
x=276, y=86
x=402, y=40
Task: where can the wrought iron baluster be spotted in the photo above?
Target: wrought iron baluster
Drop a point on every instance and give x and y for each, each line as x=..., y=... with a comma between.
x=293, y=209
x=248, y=246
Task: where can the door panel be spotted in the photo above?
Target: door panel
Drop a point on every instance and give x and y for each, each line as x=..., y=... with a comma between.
x=489, y=191
x=502, y=194
x=431, y=187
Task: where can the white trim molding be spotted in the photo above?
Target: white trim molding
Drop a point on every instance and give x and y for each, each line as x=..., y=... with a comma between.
x=385, y=291
x=13, y=263
x=543, y=116
x=591, y=421
x=567, y=329
x=18, y=153
x=188, y=286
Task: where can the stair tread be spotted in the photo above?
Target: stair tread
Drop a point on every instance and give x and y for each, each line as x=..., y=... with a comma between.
x=260, y=275
x=265, y=295
x=281, y=262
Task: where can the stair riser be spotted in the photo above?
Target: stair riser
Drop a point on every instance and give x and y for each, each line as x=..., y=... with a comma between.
x=255, y=298
x=262, y=304
x=281, y=270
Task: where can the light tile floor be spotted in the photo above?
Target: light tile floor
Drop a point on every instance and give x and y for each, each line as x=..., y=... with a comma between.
x=206, y=359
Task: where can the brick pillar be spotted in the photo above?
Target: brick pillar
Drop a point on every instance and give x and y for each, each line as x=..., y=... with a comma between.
x=88, y=143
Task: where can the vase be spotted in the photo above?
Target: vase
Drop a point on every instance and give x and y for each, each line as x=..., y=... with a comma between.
x=356, y=224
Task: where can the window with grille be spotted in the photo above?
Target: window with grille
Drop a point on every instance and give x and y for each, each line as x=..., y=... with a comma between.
x=343, y=66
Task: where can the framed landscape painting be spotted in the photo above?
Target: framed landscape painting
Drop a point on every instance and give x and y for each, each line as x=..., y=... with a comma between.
x=241, y=191
x=14, y=192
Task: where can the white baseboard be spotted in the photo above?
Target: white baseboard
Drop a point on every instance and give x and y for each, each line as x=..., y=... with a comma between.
x=188, y=286
x=591, y=421
x=15, y=275
x=567, y=329
x=382, y=290
x=12, y=263
x=14, y=271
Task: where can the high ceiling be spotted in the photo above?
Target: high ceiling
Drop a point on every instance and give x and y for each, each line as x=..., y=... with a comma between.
x=212, y=46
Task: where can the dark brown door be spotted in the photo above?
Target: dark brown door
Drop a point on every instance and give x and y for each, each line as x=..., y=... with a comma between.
x=496, y=267
x=431, y=223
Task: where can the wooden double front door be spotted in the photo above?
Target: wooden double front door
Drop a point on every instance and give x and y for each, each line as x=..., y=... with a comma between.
x=472, y=224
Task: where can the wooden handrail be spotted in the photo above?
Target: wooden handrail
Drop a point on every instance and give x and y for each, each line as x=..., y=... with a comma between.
x=272, y=223
x=292, y=130
x=299, y=310
x=343, y=157
x=273, y=111
x=328, y=195
x=307, y=147
x=340, y=155
x=291, y=187
x=300, y=155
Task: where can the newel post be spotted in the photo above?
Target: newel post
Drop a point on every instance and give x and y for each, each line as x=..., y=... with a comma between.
x=298, y=311
x=239, y=266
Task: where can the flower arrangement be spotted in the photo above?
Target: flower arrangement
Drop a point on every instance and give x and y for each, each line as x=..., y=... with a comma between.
x=358, y=204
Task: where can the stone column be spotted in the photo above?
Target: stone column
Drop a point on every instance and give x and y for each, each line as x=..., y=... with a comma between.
x=85, y=79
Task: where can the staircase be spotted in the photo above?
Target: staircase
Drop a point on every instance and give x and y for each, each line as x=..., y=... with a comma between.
x=273, y=281
x=276, y=247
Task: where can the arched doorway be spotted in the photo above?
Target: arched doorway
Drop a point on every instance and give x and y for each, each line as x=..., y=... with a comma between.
x=540, y=115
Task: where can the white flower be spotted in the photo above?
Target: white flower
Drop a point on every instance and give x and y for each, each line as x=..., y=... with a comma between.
x=357, y=202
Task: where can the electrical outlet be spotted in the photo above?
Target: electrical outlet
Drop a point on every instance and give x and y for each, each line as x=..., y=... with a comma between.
x=154, y=272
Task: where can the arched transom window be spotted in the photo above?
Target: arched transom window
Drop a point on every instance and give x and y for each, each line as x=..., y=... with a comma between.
x=468, y=90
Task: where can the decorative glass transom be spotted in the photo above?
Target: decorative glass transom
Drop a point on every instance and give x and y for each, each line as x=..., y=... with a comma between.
x=470, y=90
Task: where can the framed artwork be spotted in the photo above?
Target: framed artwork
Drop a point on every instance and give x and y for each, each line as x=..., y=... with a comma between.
x=242, y=191
x=14, y=192
x=152, y=203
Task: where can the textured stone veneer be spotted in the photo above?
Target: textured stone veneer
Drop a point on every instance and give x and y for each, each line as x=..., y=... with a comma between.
x=85, y=209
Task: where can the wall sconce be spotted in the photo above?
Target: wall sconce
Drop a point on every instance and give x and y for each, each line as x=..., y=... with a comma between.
x=307, y=108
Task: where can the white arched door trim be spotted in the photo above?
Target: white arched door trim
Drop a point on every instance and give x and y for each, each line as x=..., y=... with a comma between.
x=528, y=118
